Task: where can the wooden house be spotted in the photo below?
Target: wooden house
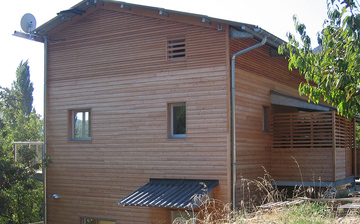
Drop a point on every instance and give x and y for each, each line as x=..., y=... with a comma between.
x=141, y=101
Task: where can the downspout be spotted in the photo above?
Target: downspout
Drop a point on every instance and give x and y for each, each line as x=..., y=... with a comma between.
x=45, y=142
x=233, y=129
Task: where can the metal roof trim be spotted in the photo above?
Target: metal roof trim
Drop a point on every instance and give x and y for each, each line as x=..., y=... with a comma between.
x=171, y=193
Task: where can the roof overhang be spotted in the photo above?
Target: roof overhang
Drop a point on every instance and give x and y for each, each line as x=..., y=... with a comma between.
x=290, y=101
x=171, y=193
x=83, y=7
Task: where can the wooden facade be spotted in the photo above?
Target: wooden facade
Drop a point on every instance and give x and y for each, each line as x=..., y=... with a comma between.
x=116, y=64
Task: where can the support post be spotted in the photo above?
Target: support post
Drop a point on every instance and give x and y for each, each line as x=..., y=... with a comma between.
x=334, y=143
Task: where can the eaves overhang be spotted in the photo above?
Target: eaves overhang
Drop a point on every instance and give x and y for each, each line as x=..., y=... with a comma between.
x=290, y=101
x=82, y=7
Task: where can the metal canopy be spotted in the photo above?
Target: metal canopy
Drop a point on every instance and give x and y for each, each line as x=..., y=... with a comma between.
x=171, y=193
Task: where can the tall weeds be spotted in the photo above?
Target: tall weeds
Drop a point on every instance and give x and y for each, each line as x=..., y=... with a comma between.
x=250, y=211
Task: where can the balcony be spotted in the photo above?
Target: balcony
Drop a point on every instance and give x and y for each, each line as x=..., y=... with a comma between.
x=313, y=148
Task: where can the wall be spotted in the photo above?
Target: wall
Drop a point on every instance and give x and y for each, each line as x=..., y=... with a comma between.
x=115, y=63
x=256, y=74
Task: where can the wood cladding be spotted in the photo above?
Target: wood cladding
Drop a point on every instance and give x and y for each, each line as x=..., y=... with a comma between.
x=259, y=62
x=116, y=65
x=252, y=144
x=106, y=42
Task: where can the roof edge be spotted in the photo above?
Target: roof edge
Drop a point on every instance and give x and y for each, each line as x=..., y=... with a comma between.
x=84, y=5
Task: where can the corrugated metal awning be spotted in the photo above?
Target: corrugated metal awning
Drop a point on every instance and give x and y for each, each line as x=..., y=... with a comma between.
x=171, y=193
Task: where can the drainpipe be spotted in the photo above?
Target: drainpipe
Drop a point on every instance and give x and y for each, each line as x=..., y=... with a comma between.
x=45, y=142
x=233, y=129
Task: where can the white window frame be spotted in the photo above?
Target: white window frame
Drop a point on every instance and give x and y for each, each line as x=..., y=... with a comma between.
x=172, y=134
x=73, y=114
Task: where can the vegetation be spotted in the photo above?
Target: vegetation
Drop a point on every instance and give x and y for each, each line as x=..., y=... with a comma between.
x=266, y=207
x=333, y=73
x=21, y=197
x=25, y=87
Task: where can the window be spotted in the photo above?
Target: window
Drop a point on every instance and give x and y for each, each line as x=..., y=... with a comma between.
x=177, y=120
x=80, y=125
x=176, y=48
x=95, y=221
x=266, y=119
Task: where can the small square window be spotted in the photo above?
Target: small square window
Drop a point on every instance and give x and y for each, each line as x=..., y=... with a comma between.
x=177, y=120
x=80, y=125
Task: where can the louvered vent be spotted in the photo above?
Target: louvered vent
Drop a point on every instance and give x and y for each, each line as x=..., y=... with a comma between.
x=176, y=48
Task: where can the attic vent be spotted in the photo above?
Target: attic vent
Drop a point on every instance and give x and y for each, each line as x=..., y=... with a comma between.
x=176, y=48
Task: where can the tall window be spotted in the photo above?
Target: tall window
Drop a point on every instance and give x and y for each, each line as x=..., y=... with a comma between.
x=81, y=125
x=178, y=120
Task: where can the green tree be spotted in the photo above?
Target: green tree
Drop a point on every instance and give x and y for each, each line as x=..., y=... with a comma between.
x=333, y=73
x=25, y=86
x=21, y=197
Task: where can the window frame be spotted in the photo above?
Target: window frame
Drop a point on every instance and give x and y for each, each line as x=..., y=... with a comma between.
x=172, y=135
x=72, y=120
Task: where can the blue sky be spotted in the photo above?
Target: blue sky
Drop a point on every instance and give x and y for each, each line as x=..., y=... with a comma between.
x=275, y=16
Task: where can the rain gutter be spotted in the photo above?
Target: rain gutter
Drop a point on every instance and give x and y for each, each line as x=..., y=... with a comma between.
x=45, y=142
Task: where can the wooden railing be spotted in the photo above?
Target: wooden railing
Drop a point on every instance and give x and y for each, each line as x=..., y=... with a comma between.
x=322, y=143
x=311, y=129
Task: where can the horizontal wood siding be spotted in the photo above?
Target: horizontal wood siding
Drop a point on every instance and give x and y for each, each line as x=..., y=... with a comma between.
x=259, y=62
x=256, y=75
x=302, y=164
x=115, y=64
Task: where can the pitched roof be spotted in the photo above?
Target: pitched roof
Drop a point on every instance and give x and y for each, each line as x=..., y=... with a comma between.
x=171, y=193
x=85, y=5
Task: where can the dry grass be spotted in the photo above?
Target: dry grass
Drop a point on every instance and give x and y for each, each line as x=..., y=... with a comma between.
x=250, y=210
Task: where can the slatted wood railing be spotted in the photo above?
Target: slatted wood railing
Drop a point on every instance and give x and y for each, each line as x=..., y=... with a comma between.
x=322, y=142
x=302, y=130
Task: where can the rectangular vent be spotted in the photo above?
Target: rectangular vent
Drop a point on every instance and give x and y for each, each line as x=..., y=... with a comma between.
x=176, y=48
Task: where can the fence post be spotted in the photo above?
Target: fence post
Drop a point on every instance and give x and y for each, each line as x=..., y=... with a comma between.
x=354, y=146
x=15, y=149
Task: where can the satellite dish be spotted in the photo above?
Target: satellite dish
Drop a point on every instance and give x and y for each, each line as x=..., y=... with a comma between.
x=28, y=23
